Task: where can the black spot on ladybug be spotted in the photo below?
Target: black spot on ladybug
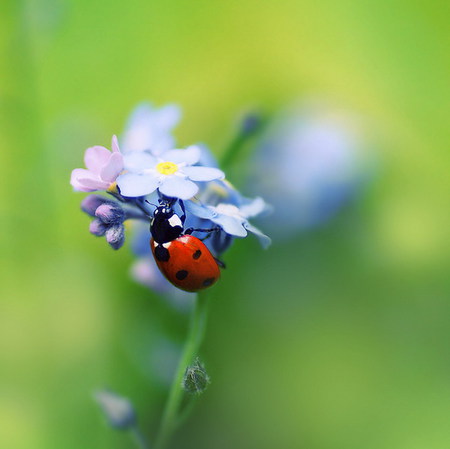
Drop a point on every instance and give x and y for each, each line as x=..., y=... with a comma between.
x=197, y=254
x=182, y=274
x=162, y=254
x=209, y=281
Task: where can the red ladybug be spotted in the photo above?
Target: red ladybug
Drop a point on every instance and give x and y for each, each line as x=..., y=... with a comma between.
x=184, y=259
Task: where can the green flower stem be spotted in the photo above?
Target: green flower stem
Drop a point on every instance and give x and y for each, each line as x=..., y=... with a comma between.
x=240, y=139
x=186, y=411
x=232, y=150
x=194, y=339
x=138, y=438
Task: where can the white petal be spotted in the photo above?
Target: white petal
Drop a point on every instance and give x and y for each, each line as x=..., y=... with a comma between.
x=177, y=187
x=231, y=225
x=133, y=185
x=263, y=238
x=138, y=161
x=149, y=128
x=190, y=155
x=203, y=173
x=167, y=117
x=199, y=211
x=253, y=207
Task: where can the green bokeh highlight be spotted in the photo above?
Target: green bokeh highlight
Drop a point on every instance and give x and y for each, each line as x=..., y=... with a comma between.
x=337, y=339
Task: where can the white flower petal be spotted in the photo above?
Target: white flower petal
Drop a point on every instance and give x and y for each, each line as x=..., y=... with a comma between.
x=199, y=211
x=133, y=185
x=253, y=207
x=149, y=128
x=138, y=161
x=190, y=155
x=167, y=117
x=263, y=238
x=177, y=187
x=203, y=173
x=231, y=225
x=207, y=159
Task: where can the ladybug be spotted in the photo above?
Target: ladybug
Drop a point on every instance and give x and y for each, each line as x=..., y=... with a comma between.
x=184, y=260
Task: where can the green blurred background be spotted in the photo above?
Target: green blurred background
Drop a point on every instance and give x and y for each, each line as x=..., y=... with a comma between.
x=336, y=339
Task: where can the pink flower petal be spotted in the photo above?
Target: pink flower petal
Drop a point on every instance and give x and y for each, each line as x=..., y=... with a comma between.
x=96, y=157
x=86, y=181
x=115, y=144
x=113, y=168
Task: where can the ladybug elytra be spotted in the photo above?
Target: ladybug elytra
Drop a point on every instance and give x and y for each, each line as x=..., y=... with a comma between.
x=184, y=260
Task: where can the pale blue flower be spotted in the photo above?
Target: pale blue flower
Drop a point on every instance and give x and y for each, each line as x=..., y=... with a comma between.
x=149, y=128
x=315, y=162
x=118, y=410
x=233, y=218
x=145, y=271
x=173, y=173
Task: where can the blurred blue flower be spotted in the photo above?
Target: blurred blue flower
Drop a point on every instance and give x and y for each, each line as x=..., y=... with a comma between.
x=316, y=164
x=145, y=271
x=149, y=128
x=173, y=173
x=119, y=411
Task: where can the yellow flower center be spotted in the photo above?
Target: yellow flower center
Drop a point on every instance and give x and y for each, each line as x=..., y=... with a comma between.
x=112, y=188
x=167, y=168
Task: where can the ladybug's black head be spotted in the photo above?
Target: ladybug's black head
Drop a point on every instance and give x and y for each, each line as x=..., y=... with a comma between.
x=165, y=208
x=166, y=225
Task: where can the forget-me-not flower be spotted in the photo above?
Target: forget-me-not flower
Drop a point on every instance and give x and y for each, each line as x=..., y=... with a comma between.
x=316, y=162
x=150, y=128
x=148, y=169
x=232, y=213
x=118, y=410
x=173, y=173
x=102, y=168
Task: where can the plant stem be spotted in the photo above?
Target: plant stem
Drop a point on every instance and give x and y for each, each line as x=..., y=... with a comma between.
x=232, y=150
x=138, y=438
x=240, y=139
x=195, y=336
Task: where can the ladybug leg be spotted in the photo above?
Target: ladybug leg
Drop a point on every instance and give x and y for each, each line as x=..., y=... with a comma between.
x=220, y=263
x=183, y=210
x=191, y=230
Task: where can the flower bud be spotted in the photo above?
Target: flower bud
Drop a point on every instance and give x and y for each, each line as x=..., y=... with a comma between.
x=119, y=411
x=115, y=236
x=90, y=204
x=195, y=379
x=110, y=213
x=250, y=123
x=97, y=227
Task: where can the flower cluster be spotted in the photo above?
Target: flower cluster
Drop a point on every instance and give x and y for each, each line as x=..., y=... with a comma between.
x=146, y=167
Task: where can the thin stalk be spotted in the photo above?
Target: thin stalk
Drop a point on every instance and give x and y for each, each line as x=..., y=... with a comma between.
x=233, y=150
x=195, y=336
x=242, y=136
x=138, y=438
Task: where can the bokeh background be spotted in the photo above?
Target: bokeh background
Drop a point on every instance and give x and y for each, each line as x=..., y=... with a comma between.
x=335, y=338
